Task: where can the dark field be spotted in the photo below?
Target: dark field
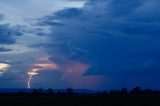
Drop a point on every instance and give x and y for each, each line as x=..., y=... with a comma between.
x=72, y=97
x=79, y=100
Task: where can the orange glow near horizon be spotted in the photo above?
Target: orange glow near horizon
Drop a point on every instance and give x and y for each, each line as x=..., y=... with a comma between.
x=73, y=75
x=72, y=72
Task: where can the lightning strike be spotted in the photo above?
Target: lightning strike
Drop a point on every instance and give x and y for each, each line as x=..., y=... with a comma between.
x=39, y=67
x=31, y=74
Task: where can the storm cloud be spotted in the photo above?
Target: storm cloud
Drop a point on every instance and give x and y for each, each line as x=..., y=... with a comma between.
x=95, y=43
x=8, y=34
x=114, y=37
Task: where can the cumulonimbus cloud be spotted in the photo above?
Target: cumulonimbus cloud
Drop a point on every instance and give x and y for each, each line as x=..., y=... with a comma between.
x=111, y=35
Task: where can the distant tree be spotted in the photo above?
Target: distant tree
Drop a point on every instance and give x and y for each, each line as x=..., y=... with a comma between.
x=22, y=93
x=38, y=91
x=136, y=90
x=124, y=91
x=114, y=92
x=70, y=91
x=50, y=91
x=59, y=92
x=104, y=92
x=148, y=91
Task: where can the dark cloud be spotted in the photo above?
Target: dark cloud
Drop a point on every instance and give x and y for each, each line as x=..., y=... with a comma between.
x=67, y=13
x=8, y=34
x=111, y=35
x=2, y=49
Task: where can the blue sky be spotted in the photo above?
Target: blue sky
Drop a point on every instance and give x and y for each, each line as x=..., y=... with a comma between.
x=89, y=44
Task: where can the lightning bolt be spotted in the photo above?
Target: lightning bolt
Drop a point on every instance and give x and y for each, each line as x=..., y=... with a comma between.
x=38, y=67
x=31, y=73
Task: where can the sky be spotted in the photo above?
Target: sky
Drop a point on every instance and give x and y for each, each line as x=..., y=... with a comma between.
x=81, y=44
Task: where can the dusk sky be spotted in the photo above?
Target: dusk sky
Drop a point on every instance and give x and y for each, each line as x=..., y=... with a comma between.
x=81, y=44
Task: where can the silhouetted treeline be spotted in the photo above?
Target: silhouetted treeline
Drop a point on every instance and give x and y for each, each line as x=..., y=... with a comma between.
x=69, y=91
x=74, y=97
x=134, y=91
